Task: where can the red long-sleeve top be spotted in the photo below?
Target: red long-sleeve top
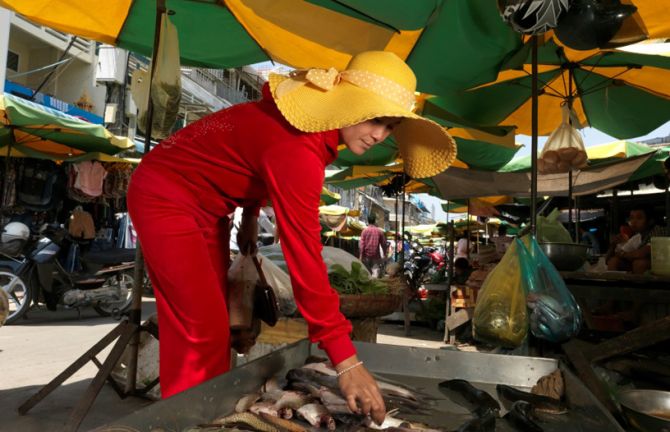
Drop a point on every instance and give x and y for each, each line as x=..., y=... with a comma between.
x=241, y=157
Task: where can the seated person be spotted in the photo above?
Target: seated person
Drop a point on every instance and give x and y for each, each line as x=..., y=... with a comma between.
x=462, y=271
x=589, y=239
x=502, y=242
x=633, y=253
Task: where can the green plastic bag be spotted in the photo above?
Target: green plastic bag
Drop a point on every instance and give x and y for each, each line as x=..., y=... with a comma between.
x=554, y=314
x=501, y=317
x=550, y=230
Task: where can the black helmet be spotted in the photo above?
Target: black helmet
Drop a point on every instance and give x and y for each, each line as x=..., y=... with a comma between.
x=591, y=24
x=532, y=16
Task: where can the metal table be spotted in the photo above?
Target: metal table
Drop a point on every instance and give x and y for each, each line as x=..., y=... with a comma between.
x=417, y=367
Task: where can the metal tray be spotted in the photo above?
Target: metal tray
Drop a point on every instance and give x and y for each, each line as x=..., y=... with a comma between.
x=416, y=367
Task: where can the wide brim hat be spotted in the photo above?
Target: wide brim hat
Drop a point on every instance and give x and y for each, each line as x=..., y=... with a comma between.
x=374, y=84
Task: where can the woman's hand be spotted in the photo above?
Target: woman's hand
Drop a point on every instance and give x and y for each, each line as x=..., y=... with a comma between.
x=360, y=390
x=247, y=234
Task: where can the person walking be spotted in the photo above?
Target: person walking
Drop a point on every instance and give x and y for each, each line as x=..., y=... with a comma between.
x=373, y=247
x=182, y=195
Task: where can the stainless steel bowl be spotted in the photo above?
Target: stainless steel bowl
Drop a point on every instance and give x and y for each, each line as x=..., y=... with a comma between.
x=566, y=256
x=647, y=410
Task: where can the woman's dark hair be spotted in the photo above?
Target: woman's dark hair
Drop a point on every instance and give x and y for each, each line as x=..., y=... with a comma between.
x=372, y=219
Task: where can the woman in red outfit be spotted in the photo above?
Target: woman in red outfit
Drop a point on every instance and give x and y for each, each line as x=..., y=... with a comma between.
x=275, y=149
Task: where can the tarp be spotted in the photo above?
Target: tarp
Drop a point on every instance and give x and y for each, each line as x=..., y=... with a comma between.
x=460, y=183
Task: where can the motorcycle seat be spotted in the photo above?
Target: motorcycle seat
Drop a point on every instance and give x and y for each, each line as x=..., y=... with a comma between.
x=110, y=256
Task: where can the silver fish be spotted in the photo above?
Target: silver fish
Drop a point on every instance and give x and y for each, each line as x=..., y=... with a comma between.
x=293, y=399
x=246, y=402
x=264, y=407
x=246, y=420
x=317, y=415
x=333, y=402
x=322, y=368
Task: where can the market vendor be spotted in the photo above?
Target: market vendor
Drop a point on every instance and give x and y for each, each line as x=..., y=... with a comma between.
x=632, y=252
x=275, y=149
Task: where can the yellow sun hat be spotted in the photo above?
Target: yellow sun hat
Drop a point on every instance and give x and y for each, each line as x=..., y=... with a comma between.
x=374, y=84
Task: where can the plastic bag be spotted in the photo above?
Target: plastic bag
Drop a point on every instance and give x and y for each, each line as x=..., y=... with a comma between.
x=564, y=150
x=551, y=230
x=166, y=84
x=500, y=316
x=554, y=314
x=242, y=278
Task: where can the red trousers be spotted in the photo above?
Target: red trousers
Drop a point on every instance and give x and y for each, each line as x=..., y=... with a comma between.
x=187, y=254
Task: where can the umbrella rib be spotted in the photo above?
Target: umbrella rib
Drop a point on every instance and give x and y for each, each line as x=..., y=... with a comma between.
x=593, y=67
x=603, y=85
x=545, y=86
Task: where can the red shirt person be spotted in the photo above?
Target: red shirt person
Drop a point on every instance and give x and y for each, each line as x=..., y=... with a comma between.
x=183, y=192
x=372, y=246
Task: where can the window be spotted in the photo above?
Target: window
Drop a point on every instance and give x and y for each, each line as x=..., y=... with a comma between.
x=12, y=61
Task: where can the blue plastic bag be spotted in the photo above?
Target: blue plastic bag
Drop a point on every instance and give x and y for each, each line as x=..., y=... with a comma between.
x=554, y=314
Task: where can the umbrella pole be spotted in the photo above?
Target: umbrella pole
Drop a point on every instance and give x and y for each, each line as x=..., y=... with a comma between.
x=577, y=220
x=6, y=176
x=135, y=313
x=397, y=230
x=405, y=305
x=534, y=126
x=126, y=334
x=570, y=220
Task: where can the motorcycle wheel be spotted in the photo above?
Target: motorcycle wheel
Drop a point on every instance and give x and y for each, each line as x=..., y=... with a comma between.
x=121, y=306
x=20, y=294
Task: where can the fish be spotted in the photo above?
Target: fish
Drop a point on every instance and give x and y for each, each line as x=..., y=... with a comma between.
x=246, y=402
x=389, y=422
x=283, y=424
x=521, y=417
x=395, y=390
x=484, y=423
x=538, y=402
x=244, y=420
x=269, y=408
x=317, y=415
x=312, y=377
x=333, y=402
x=322, y=368
x=476, y=400
x=293, y=400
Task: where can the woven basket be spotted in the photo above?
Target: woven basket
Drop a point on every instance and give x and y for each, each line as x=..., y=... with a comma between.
x=368, y=306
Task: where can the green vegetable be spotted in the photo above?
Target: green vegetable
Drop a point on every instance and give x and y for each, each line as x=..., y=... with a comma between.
x=355, y=282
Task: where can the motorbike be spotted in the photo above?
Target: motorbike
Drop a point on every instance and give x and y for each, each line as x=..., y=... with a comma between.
x=33, y=270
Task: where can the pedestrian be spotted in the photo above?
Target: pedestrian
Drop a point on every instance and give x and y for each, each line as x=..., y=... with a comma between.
x=372, y=246
x=276, y=149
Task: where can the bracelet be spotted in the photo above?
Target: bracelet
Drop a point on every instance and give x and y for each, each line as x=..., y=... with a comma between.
x=345, y=370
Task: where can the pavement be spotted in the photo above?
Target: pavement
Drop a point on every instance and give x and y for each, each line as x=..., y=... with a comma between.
x=37, y=349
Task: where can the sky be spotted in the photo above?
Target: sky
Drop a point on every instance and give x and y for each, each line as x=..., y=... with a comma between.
x=590, y=136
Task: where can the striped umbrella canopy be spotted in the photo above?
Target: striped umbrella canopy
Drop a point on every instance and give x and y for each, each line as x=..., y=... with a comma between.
x=620, y=93
x=33, y=130
x=449, y=44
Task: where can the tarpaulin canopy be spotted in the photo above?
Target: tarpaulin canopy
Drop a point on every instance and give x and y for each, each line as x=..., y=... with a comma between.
x=459, y=183
x=34, y=130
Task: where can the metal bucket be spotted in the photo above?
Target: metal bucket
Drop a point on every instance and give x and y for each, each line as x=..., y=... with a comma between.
x=566, y=256
x=647, y=410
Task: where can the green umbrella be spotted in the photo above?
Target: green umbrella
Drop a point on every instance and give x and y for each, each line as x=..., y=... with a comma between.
x=622, y=94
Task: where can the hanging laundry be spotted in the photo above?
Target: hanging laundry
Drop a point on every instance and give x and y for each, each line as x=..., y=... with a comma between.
x=9, y=187
x=117, y=180
x=38, y=185
x=81, y=224
x=127, y=236
x=90, y=177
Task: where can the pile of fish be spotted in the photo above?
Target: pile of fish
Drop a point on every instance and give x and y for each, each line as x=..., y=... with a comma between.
x=309, y=398
x=486, y=409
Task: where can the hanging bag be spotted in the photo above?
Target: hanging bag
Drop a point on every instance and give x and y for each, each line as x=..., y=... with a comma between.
x=554, y=313
x=564, y=150
x=165, y=87
x=501, y=317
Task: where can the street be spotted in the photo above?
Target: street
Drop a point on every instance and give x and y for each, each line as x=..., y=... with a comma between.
x=42, y=346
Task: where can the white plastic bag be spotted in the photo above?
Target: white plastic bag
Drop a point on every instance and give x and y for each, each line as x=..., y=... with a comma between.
x=166, y=84
x=564, y=150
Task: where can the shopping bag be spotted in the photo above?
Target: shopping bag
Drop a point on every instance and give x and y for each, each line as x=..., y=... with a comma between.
x=564, y=150
x=501, y=317
x=554, y=314
x=165, y=87
x=551, y=230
